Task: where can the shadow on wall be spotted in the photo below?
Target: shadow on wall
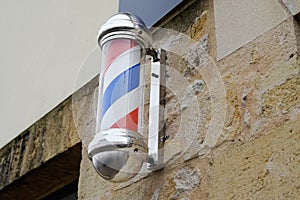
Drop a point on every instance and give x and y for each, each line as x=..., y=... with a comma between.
x=297, y=30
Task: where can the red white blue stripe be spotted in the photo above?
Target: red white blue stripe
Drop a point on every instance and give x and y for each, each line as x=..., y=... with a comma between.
x=121, y=92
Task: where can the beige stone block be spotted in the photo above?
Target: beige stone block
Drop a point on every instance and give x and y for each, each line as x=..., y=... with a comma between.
x=239, y=22
x=293, y=6
x=266, y=168
x=261, y=75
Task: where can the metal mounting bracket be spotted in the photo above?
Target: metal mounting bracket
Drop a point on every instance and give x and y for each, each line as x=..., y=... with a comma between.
x=156, y=132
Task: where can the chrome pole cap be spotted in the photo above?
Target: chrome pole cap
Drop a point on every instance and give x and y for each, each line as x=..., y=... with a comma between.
x=125, y=25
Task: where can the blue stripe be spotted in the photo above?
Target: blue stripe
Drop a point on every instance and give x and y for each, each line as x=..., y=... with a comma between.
x=122, y=84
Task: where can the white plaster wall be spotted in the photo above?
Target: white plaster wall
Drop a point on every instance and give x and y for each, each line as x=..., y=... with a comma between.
x=42, y=46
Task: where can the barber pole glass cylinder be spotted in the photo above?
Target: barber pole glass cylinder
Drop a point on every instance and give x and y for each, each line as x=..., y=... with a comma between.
x=121, y=88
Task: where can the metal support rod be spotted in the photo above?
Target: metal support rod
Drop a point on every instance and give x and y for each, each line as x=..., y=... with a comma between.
x=156, y=112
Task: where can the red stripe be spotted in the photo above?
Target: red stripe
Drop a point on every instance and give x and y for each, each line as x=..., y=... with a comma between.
x=115, y=48
x=130, y=121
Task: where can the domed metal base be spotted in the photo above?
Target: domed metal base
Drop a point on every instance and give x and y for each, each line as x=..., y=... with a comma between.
x=117, y=154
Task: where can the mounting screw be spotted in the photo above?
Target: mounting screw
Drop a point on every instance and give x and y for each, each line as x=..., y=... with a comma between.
x=164, y=138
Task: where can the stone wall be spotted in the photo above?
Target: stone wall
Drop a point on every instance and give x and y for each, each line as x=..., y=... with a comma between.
x=244, y=140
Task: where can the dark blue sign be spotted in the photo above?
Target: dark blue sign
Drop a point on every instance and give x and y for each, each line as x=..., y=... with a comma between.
x=150, y=11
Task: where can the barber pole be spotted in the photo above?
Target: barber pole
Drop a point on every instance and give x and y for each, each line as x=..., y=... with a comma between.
x=119, y=147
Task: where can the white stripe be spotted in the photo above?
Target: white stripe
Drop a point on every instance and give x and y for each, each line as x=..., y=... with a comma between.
x=122, y=107
x=123, y=62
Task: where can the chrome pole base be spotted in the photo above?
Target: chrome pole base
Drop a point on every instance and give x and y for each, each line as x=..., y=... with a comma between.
x=117, y=154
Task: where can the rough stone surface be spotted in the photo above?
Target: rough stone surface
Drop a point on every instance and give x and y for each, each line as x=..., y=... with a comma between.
x=239, y=22
x=52, y=175
x=292, y=5
x=156, y=195
x=198, y=55
x=186, y=180
x=84, y=108
x=250, y=85
x=197, y=29
x=266, y=168
x=191, y=93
